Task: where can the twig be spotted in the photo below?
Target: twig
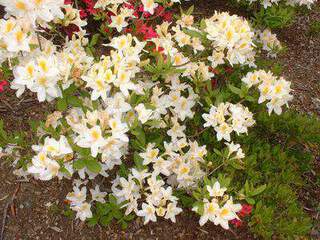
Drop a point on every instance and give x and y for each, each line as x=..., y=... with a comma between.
x=202, y=230
x=38, y=38
x=76, y=4
x=234, y=234
x=8, y=105
x=6, y=211
x=222, y=164
x=198, y=133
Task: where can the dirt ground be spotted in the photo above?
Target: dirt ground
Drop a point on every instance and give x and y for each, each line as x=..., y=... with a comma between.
x=31, y=217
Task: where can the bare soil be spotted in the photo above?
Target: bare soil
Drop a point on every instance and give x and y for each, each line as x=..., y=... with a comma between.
x=30, y=215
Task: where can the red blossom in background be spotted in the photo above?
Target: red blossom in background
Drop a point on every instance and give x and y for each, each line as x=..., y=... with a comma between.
x=141, y=27
x=88, y=7
x=236, y=222
x=2, y=84
x=146, y=31
x=245, y=211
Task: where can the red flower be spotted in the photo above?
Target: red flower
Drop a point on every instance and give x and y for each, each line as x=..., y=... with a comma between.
x=245, y=211
x=83, y=13
x=236, y=222
x=2, y=84
x=140, y=8
x=147, y=32
x=128, y=5
x=68, y=2
x=158, y=49
x=214, y=83
x=159, y=11
x=167, y=16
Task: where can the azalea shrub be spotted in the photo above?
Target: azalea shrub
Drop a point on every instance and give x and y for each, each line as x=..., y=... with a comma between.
x=174, y=114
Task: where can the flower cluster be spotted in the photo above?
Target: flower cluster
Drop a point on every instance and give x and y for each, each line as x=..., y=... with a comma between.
x=34, y=11
x=232, y=39
x=228, y=118
x=116, y=70
x=43, y=71
x=158, y=199
x=77, y=199
x=45, y=165
x=272, y=89
x=183, y=168
x=14, y=37
x=270, y=42
x=217, y=207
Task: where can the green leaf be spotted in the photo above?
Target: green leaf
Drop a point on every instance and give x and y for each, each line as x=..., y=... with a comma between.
x=62, y=104
x=258, y=190
x=138, y=161
x=190, y=10
x=92, y=221
x=140, y=135
x=250, y=201
x=236, y=164
x=93, y=165
x=74, y=101
x=106, y=220
x=94, y=40
x=79, y=164
x=235, y=89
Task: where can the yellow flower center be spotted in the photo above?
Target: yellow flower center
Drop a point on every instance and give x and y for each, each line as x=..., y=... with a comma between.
x=43, y=65
x=95, y=135
x=211, y=209
x=21, y=5
x=42, y=81
x=9, y=26
x=19, y=36
x=51, y=149
x=30, y=70
x=278, y=88
x=38, y=2
x=229, y=35
x=100, y=84
x=224, y=212
x=184, y=170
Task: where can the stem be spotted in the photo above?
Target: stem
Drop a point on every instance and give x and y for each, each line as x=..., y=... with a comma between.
x=218, y=167
x=38, y=38
x=76, y=3
x=39, y=42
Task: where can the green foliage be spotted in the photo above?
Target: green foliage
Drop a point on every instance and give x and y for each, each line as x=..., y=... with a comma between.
x=16, y=137
x=277, y=16
x=277, y=157
x=314, y=28
x=68, y=99
x=105, y=213
x=162, y=68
